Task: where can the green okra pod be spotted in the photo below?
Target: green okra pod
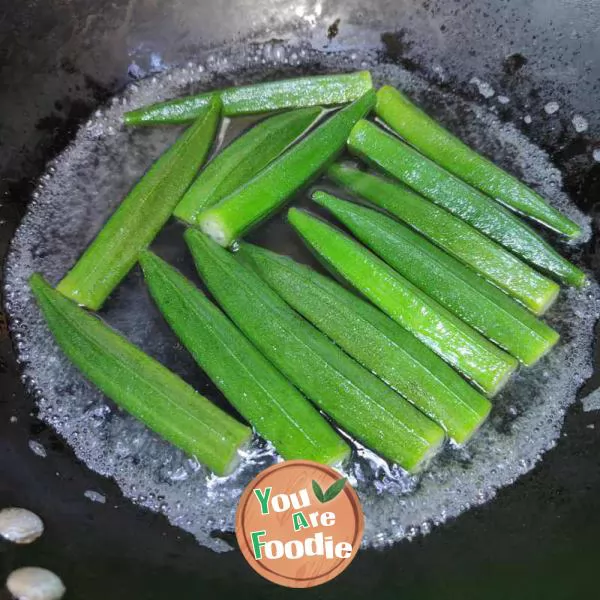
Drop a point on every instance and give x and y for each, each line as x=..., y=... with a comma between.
x=248, y=380
x=242, y=160
x=141, y=215
x=356, y=399
x=325, y=90
x=455, y=286
x=444, y=333
x=377, y=342
x=265, y=193
x=441, y=187
x=140, y=384
x=437, y=143
x=455, y=236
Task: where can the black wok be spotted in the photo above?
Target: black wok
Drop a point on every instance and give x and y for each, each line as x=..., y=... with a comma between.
x=60, y=59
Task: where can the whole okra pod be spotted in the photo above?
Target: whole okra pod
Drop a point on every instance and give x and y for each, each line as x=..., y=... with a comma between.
x=141, y=215
x=140, y=384
x=324, y=90
x=437, y=143
x=449, y=337
x=265, y=193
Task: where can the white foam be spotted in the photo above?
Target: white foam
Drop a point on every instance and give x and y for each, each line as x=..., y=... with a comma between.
x=484, y=88
x=592, y=401
x=82, y=188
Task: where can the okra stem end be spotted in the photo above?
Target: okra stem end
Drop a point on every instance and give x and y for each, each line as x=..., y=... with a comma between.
x=577, y=278
x=548, y=300
x=551, y=341
x=502, y=377
x=469, y=434
x=213, y=227
x=88, y=298
x=421, y=462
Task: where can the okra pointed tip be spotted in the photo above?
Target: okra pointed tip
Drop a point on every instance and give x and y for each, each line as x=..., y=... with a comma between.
x=320, y=197
x=358, y=131
x=572, y=230
x=299, y=219
x=38, y=285
x=247, y=254
x=294, y=214
x=131, y=118
x=189, y=233
x=148, y=260
x=337, y=168
x=245, y=249
x=309, y=111
x=326, y=200
x=200, y=244
x=193, y=237
x=36, y=279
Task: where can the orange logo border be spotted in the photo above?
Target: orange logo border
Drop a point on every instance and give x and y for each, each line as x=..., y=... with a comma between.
x=260, y=567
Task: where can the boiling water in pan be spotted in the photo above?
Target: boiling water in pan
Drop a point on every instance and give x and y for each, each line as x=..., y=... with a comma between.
x=83, y=186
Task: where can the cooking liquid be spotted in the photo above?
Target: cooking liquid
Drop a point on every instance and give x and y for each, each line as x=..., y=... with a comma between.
x=83, y=186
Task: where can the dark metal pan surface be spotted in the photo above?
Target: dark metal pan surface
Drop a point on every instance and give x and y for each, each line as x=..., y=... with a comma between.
x=60, y=61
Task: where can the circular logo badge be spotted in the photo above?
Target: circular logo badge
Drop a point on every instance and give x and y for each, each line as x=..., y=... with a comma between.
x=299, y=524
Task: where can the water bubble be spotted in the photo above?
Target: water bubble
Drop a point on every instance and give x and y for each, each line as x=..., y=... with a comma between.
x=484, y=88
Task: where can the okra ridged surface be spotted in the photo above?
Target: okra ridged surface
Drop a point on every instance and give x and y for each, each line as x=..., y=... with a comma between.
x=140, y=384
x=354, y=398
x=377, y=342
x=448, y=151
x=141, y=215
x=453, y=235
x=470, y=297
x=323, y=90
x=449, y=337
x=247, y=206
x=242, y=160
x=247, y=379
x=397, y=158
